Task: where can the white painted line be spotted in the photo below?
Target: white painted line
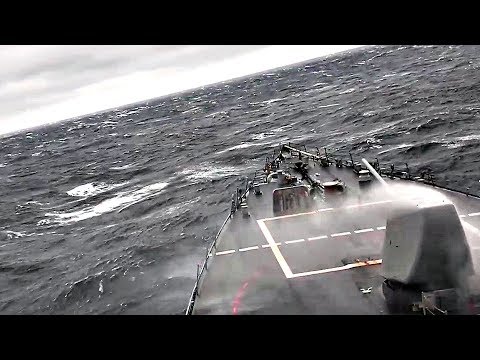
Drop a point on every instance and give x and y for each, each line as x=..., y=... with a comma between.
x=475, y=248
x=249, y=248
x=288, y=216
x=341, y=234
x=340, y=268
x=276, y=252
x=363, y=231
x=268, y=245
x=317, y=237
x=326, y=209
x=474, y=214
x=225, y=252
x=462, y=216
x=294, y=241
x=381, y=228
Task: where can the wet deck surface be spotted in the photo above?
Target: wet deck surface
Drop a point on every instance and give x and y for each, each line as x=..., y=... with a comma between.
x=313, y=262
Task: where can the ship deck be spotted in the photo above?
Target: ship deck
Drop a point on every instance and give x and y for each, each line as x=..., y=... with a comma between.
x=324, y=261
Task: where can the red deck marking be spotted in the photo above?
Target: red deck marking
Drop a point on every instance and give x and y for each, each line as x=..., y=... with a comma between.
x=237, y=301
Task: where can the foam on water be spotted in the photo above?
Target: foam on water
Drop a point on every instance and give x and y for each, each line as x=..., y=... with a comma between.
x=124, y=167
x=209, y=172
x=120, y=202
x=348, y=91
x=396, y=147
x=92, y=188
x=242, y=146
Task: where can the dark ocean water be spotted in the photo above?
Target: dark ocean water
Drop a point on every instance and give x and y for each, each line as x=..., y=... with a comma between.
x=111, y=213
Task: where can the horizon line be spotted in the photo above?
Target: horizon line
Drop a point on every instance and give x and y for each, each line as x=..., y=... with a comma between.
x=188, y=90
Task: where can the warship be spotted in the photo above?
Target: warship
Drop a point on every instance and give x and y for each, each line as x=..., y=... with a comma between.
x=312, y=233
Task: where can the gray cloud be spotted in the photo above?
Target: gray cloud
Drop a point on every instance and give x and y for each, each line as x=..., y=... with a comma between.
x=33, y=76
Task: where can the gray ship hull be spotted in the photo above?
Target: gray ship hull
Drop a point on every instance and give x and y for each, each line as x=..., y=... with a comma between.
x=323, y=261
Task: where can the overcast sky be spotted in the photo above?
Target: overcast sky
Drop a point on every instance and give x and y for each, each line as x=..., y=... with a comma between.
x=46, y=83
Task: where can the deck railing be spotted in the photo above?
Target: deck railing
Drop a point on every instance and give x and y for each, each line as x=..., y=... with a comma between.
x=237, y=199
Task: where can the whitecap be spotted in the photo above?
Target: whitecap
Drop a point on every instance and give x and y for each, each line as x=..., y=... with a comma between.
x=195, y=108
x=262, y=136
x=326, y=106
x=15, y=234
x=283, y=128
x=390, y=75
x=93, y=188
x=348, y=91
x=124, y=167
x=242, y=146
x=33, y=202
x=369, y=113
x=207, y=171
x=468, y=137
x=396, y=147
x=460, y=141
x=271, y=101
x=120, y=202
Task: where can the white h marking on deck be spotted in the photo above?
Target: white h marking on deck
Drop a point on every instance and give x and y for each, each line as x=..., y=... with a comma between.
x=341, y=234
x=317, y=237
x=249, y=248
x=294, y=241
x=276, y=252
x=363, y=231
x=225, y=252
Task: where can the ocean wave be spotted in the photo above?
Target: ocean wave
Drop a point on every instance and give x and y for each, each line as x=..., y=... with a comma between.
x=124, y=167
x=395, y=147
x=93, y=188
x=348, y=91
x=262, y=136
x=461, y=141
x=210, y=172
x=120, y=202
x=202, y=181
x=421, y=148
x=19, y=234
x=431, y=124
x=242, y=146
x=177, y=209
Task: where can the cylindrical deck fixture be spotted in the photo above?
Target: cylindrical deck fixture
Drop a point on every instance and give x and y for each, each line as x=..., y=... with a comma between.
x=244, y=209
x=280, y=177
x=374, y=172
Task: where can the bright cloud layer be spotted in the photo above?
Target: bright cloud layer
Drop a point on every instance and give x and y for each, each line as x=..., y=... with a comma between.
x=44, y=84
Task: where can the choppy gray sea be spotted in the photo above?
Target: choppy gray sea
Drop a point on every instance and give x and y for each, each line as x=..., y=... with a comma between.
x=110, y=213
